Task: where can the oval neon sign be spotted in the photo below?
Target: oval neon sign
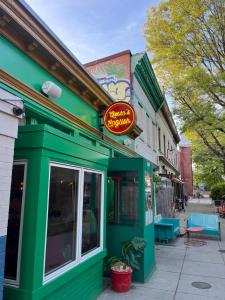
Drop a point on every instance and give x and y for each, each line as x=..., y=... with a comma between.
x=119, y=118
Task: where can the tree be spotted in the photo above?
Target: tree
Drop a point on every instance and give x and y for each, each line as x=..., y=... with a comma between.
x=187, y=40
x=206, y=170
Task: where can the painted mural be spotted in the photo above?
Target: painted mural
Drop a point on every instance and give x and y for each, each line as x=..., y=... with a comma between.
x=114, y=76
x=118, y=89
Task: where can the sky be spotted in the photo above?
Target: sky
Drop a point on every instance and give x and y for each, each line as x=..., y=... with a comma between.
x=92, y=29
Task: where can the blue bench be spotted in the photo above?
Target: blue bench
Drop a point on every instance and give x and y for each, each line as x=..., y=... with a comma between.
x=166, y=228
x=210, y=223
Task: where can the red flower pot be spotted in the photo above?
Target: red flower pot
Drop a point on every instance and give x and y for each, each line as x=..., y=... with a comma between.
x=121, y=280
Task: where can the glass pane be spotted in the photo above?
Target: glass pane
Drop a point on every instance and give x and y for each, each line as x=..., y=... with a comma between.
x=123, y=198
x=148, y=195
x=12, y=244
x=91, y=212
x=61, y=235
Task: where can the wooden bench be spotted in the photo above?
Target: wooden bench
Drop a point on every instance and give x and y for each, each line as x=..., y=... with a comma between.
x=166, y=228
x=210, y=223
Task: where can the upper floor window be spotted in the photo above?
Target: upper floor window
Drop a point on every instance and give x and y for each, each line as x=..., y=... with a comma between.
x=148, y=124
x=159, y=138
x=140, y=116
x=154, y=135
x=164, y=144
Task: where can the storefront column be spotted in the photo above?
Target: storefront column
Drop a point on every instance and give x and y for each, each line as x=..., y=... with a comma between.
x=34, y=223
x=8, y=133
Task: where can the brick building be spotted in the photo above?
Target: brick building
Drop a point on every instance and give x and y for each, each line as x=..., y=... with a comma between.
x=185, y=165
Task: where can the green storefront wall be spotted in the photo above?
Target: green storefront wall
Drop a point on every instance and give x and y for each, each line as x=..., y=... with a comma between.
x=39, y=145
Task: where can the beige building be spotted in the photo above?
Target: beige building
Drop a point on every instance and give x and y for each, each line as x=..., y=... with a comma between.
x=168, y=139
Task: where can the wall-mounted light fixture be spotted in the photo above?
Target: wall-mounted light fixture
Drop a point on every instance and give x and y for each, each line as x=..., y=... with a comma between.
x=50, y=89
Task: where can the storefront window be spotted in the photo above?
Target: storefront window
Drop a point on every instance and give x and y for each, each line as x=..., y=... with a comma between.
x=123, y=198
x=91, y=212
x=75, y=213
x=61, y=235
x=14, y=223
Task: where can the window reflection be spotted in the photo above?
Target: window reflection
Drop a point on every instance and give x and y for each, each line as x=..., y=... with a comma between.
x=91, y=212
x=123, y=197
x=148, y=196
x=61, y=234
x=14, y=221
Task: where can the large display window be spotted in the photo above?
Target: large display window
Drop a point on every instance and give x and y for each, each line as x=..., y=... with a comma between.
x=75, y=217
x=62, y=218
x=91, y=211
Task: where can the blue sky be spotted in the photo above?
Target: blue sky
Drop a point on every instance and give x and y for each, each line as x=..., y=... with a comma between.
x=92, y=29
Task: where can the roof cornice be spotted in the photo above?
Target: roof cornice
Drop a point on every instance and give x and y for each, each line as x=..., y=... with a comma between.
x=20, y=25
x=147, y=79
x=169, y=119
x=107, y=58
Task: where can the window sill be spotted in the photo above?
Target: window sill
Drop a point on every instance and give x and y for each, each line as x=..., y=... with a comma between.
x=73, y=269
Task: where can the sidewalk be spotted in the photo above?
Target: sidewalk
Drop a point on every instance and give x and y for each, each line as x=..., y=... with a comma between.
x=178, y=266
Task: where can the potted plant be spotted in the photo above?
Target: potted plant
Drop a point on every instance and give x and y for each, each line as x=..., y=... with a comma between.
x=122, y=267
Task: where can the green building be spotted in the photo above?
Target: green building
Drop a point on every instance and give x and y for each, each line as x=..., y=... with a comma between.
x=69, y=174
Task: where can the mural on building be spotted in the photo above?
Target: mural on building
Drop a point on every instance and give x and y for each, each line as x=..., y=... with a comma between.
x=118, y=89
x=114, y=77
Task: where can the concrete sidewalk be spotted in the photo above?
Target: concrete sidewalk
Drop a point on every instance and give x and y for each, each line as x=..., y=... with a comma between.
x=178, y=266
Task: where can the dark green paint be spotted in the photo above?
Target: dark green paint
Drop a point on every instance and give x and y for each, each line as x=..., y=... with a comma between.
x=145, y=75
x=19, y=65
x=39, y=145
x=116, y=234
x=22, y=67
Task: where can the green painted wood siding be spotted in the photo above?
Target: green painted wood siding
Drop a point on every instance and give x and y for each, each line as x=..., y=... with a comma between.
x=23, y=68
x=19, y=65
x=39, y=145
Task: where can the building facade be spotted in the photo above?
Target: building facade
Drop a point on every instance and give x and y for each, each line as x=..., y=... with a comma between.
x=67, y=169
x=130, y=78
x=168, y=139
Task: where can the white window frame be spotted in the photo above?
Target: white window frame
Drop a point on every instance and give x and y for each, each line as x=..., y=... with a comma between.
x=79, y=258
x=149, y=137
x=154, y=136
x=11, y=282
x=140, y=120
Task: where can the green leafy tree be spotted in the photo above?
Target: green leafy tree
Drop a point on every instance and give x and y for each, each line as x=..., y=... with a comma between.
x=208, y=169
x=187, y=40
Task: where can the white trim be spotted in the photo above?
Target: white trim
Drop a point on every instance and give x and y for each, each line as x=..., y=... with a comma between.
x=46, y=221
x=78, y=258
x=100, y=248
x=65, y=166
x=80, y=216
x=11, y=282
